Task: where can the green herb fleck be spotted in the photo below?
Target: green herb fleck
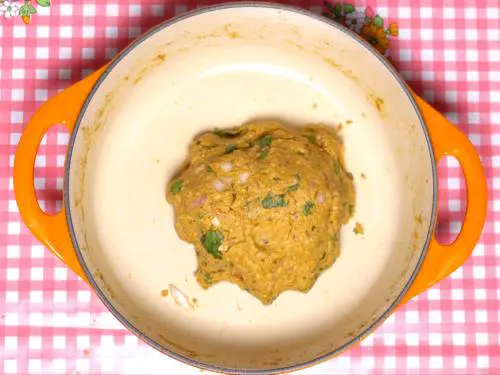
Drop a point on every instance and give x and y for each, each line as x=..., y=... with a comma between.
x=229, y=149
x=209, y=168
x=263, y=153
x=227, y=133
x=312, y=138
x=265, y=141
x=335, y=237
x=337, y=168
x=308, y=207
x=176, y=187
x=273, y=201
x=211, y=241
x=208, y=278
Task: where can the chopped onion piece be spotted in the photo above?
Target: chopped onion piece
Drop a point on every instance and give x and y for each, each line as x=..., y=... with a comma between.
x=226, y=167
x=179, y=298
x=244, y=177
x=215, y=222
x=219, y=185
x=320, y=197
x=199, y=201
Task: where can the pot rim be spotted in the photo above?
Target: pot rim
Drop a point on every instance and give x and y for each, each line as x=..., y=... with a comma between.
x=122, y=55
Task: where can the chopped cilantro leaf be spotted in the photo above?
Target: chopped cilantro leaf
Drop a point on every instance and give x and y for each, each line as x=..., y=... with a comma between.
x=209, y=168
x=263, y=153
x=176, y=187
x=265, y=141
x=211, y=241
x=229, y=149
x=208, y=278
x=273, y=201
x=227, y=133
x=312, y=138
x=308, y=207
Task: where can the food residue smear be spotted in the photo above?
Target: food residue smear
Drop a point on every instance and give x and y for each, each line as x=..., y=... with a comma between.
x=358, y=229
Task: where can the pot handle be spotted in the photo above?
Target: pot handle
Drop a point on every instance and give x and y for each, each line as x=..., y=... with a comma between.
x=442, y=260
x=51, y=230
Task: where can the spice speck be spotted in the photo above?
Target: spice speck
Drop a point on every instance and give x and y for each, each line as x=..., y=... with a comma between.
x=358, y=229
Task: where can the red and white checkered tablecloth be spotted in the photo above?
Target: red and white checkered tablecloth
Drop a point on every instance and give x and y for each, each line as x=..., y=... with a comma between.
x=52, y=323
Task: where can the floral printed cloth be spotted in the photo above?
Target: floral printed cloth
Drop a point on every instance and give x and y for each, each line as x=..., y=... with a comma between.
x=364, y=21
x=24, y=9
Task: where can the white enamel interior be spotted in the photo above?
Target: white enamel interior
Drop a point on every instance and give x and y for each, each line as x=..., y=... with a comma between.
x=222, y=68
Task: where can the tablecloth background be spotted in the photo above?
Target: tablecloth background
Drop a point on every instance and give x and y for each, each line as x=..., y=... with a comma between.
x=51, y=323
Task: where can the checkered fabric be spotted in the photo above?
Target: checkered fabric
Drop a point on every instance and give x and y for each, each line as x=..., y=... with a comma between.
x=51, y=323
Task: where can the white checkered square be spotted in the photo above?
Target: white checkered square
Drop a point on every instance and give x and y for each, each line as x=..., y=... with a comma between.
x=10, y=366
x=65, y=32
x=66, y=9
x=89, y=10
x=112, y=10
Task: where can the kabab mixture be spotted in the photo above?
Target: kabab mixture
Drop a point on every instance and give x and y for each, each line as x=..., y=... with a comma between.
x=263, y=205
